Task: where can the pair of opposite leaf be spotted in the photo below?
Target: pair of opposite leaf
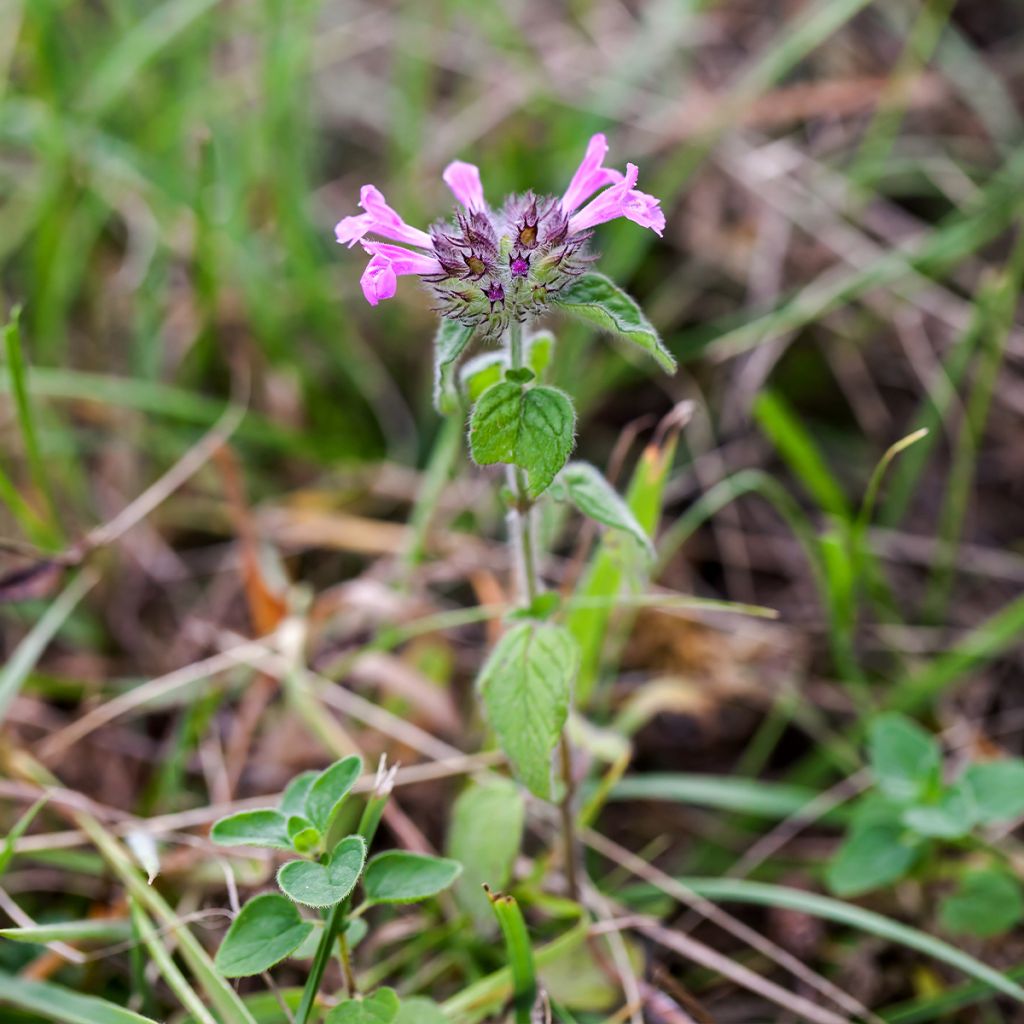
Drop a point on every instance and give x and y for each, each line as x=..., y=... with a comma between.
x=270, y=927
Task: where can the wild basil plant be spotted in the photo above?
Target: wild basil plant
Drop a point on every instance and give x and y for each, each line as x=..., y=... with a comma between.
x=324, y=876
x=493, y=273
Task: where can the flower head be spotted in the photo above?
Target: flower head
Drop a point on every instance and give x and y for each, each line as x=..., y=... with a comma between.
x=487, y=268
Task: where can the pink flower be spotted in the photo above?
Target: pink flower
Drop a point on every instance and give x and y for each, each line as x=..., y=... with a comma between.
x=621, y=200
x=379, y=219
x=464, y=181
x=388, y=263
x=590, y=175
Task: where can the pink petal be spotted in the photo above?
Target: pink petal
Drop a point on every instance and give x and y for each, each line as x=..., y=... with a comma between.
x=403, y=261
x=379, y=280
x=590, y=175
x=379, y=219
x=464, y=181
x=621, y=200
x=349, y=230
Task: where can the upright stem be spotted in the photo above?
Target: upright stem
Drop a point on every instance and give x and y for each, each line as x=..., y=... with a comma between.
x=520, y=524
x=520, y=518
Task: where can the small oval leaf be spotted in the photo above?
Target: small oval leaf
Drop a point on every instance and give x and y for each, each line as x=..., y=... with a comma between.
x=587, y=489
x=380, y=1007
x=402, y=877
x=267, y=929
x=253, y=828
x=324, y=885
x=293, y=799
x=329, y=788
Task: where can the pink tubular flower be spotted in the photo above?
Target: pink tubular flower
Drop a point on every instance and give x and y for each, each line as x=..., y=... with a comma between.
x=464, y=181
x=388, y=263
x=621, y=200
x=379, y=219
x=590, y=176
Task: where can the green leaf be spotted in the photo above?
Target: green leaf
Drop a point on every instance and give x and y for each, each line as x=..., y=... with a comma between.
x=253, y=828
x=380, y=1007
x=401, y=877
x=320, y=885
x=997, y=788
x=526, y=685
x=595, y=298
x=533, y=428
x=485, y=836
x=293, y=799
x=950, y=817
x=420, y=1010
x=305, y=838
x=986, y=903
x=61, y=1004
x=267, y=929
x=905, y=759
x=449, y=343
x=539, y=349
x=870, y=857
x=480, y=372
x=585, y=487
x=329, y=788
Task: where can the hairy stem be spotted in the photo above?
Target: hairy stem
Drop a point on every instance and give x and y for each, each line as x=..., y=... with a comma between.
x=524, y=552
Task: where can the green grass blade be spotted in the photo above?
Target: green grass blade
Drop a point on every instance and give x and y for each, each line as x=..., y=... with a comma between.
x=26, y=420
x=800, y=453
x=89, y=930
x=30, y=650
x=742, y=891
x=62, y=1005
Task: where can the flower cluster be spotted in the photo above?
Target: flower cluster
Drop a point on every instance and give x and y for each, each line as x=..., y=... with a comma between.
x=487, y=268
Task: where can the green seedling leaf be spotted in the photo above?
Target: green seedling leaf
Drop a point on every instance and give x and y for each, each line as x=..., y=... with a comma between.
x=305, y=837
x=526, y=685
x=485, y=836
x=267, y=929
x=253, y=828
x=595, y=298
x=585, y=487
x=543, y=606
x=997, y=789
x=987, y=903
x=905, y=760
x=523, y=375
x=293, y=799
x=401, y=877
x=380, y=1007
x=328, y=790
x=420, y=1010
x=533, y=428
x=449, y=343
x=870, y=857
x=950, y=817
x=324, y=885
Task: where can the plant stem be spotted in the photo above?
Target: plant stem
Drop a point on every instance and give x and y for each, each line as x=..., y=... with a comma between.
x=524, y=551
x=520, y=524
x=335, y=922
